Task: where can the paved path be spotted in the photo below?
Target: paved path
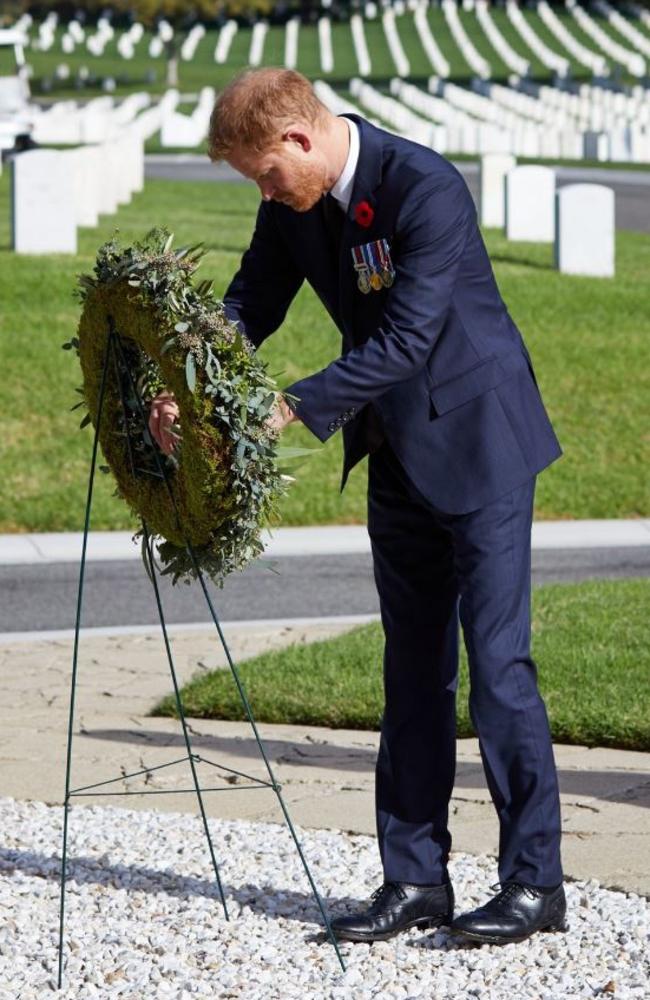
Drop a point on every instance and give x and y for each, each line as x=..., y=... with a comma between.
x=327, y=776
x=630, y=186
x=323, y=571
x=44, y=597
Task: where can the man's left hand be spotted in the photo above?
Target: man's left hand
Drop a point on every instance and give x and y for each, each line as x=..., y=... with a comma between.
x=280, y=416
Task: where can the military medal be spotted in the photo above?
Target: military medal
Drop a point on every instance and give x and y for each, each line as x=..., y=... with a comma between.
x=361, y=267
x=387, y=269
x=375, y=277
x=373, y=265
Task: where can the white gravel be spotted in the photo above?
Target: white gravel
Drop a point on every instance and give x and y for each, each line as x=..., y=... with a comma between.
x=144, y=919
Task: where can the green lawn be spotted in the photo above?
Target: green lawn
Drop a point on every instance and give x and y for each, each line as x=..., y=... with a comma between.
x=589, y=642
x=589, y=338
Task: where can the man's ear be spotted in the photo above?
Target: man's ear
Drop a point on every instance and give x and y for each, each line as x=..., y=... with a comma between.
x=299, y=136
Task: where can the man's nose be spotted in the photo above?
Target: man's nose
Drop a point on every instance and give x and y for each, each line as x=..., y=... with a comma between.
x=267, y=190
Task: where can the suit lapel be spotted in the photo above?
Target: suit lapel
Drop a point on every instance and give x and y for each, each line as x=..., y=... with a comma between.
x=367, y=178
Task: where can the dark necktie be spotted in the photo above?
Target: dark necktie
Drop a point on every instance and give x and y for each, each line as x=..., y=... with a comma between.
x=334, y=220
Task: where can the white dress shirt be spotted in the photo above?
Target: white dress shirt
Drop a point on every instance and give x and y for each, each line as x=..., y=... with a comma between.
x=342, y=190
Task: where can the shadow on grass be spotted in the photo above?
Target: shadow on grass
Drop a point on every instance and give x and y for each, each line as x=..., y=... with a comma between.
x=505, y=258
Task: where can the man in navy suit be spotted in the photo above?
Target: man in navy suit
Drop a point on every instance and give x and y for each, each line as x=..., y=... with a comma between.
x=435, y=384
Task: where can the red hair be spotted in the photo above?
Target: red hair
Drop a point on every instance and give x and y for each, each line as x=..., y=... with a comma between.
x=256, y=105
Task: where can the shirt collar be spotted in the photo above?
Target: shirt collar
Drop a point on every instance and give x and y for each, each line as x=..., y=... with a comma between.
x=342, y=190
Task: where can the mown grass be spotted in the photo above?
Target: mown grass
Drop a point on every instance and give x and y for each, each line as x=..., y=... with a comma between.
x=589, y=643
x=589, y=338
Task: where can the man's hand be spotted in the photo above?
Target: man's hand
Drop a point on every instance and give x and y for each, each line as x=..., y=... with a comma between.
x=280, y=416
x=164, y=413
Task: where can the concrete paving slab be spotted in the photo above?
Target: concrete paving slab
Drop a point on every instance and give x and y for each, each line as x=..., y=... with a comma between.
x=327, y=776
x=322, y=539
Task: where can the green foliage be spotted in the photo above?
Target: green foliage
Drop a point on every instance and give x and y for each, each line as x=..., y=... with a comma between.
x=589, y=643
x=211, y=501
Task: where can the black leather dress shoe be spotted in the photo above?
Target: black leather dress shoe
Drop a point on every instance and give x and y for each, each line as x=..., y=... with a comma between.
x=514, y=914
x=395, y=907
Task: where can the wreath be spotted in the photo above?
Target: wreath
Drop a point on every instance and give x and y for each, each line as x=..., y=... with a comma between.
x=224, y=479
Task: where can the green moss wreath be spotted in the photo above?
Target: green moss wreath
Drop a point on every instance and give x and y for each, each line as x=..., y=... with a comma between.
x=224, y=475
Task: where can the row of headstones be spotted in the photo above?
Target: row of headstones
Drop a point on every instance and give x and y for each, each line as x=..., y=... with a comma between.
x=594, y=104
x=624, y=26
x=614, y=123
x=547, y=56
x=579, y=219
x=542, y=135
x=98, y=120
x=633, y=61
x=586, y=56
x=472, y=56
x=595, y=61
x=515, y=62
x=397, y=115
x=602, y=136
x=588, y=115
x=74, y=35
x=126, y=42
x=451, y=124
x=64, y=123
x=56, y=191
x=258, y=37
x=400, y=60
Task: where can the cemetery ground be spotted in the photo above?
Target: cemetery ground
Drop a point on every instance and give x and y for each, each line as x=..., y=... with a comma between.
x=589, y=339
x=588, y=641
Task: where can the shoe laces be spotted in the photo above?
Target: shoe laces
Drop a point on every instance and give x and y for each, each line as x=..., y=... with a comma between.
x=510, y=889
x=385, y=889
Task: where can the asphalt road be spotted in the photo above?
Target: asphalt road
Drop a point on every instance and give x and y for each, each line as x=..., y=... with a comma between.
x=632, y=188
x=43, y=596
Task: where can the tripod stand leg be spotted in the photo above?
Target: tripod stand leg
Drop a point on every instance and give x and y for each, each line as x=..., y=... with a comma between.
x=276, y=787
x=75, y=656
x=119, y=352
x=179, y=706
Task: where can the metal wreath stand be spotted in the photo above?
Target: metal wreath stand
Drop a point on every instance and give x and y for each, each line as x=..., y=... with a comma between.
x=115, y=352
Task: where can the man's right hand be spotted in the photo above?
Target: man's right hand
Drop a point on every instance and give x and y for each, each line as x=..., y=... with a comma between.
x=164, y=413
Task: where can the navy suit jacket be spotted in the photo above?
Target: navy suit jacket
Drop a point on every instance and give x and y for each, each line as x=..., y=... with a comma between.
x=437, y=353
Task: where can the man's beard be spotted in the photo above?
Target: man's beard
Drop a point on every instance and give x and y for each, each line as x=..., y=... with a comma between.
x=308, y=187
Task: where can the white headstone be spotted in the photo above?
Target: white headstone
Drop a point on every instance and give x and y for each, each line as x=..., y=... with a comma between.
x=85, y=183
x=530, y=204
x=584, y=242
x=43, y=209
x=494, y=167
x=108, y=166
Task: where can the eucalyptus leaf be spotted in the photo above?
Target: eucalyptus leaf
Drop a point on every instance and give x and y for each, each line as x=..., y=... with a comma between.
x=190, y=371
x=284, y=452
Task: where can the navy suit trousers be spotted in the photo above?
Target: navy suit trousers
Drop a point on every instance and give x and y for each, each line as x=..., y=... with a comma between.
x=432, y=569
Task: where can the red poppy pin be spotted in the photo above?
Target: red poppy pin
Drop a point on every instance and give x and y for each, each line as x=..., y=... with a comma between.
x=363, y=213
